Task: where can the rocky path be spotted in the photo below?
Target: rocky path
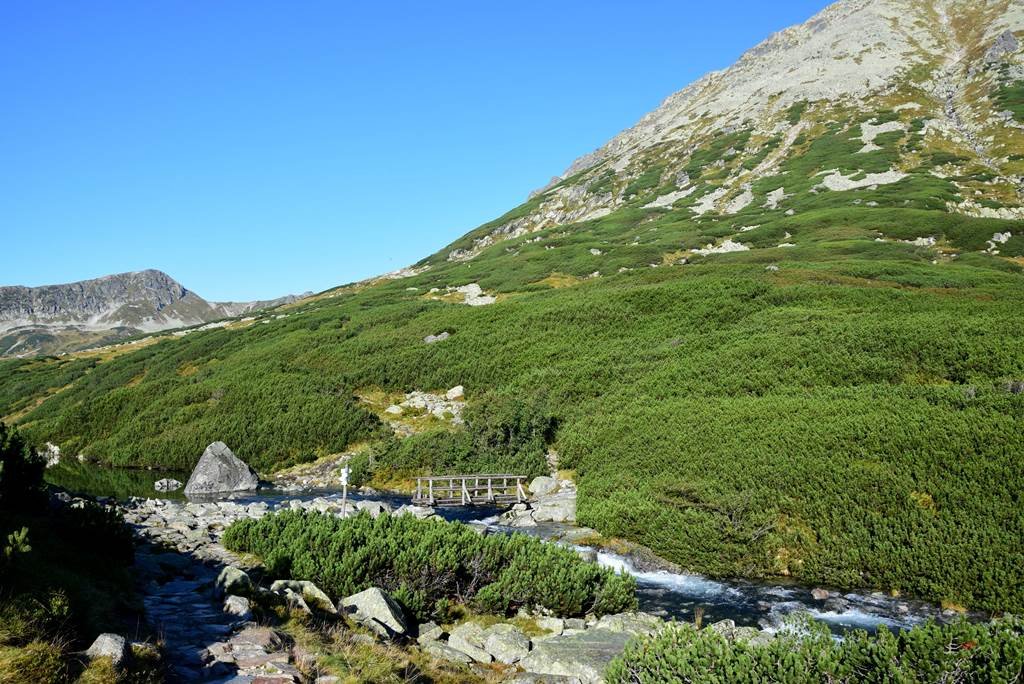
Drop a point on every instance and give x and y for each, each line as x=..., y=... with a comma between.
x=186, y=574
x=178, y=565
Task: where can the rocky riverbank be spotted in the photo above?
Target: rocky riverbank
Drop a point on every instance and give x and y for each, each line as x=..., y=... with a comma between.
x=202, y=599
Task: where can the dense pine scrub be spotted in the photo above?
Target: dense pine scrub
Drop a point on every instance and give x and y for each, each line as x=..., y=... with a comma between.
x=961, y=652
x=428, y=565
x=845, y=410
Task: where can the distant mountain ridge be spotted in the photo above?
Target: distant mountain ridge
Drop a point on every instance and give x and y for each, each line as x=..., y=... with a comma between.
x=52, y=318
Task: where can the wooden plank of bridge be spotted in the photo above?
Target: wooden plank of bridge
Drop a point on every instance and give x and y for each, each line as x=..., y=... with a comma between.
x=469, y=489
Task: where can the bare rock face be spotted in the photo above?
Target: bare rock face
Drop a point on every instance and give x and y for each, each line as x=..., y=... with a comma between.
x=220, y=471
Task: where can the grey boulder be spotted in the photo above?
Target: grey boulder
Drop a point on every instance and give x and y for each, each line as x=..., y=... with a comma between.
x=113, y=646
x=543, y=485
x=376, y=611
x=220, y=471
x=559, y=507
x=238, y=606
x=232, y=580
x=167, y=484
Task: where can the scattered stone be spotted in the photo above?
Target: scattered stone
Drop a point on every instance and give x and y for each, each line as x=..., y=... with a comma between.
x=220, y=471
x=310, y=593
x=820, y=594
x=295, y=601
x=726, y=247
x=113, y=646
x=394, y=410
x=376, y=611
x=238, y=606
x=837, y=182
x=167, y=484
x=455, y=393
x=473, y=295
x=374, y=508
x=837, y=605
x=1005, y=44
x=421, y=512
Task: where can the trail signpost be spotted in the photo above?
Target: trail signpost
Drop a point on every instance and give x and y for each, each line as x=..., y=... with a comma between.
x=344, y=490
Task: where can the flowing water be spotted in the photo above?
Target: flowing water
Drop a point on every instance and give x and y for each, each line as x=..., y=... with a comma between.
x=668, y=594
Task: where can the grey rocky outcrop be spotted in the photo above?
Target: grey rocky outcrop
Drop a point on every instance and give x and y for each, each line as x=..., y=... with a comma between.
x=1005, y=44
x=377, y=611
x=220, y=471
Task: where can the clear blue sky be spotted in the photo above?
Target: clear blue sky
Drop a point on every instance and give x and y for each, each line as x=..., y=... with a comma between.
x=251, y=149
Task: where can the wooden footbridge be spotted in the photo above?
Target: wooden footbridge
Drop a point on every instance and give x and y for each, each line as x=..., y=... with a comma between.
x=469, y=490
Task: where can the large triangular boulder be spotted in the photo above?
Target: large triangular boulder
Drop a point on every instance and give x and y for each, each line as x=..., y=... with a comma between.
x=220, y=471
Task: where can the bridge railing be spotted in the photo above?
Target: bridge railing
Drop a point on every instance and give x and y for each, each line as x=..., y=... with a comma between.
x=469, y=490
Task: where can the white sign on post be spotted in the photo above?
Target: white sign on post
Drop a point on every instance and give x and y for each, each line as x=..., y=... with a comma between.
x=344, y=490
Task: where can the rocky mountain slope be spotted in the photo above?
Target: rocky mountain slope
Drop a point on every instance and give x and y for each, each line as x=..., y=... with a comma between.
x=773, y=329
x=894, y=87
x=56, y=318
